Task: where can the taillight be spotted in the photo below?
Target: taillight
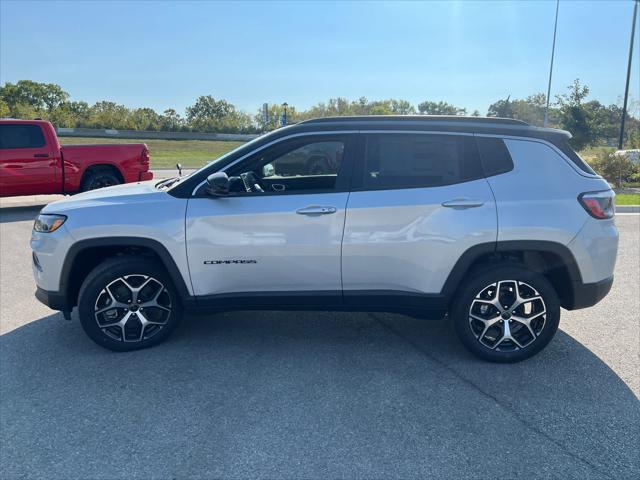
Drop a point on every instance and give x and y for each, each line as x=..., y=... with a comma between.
x=599, y=205
x=145, y=156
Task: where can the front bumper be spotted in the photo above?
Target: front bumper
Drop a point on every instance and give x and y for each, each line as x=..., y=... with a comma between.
x=588, y=294
x=54, y=300
x=144, y=176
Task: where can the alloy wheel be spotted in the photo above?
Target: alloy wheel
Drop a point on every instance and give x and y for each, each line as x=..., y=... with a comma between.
x=507, y=315
x=133, y=308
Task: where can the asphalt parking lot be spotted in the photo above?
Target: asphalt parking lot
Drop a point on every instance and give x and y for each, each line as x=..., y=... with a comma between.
x=308, y=395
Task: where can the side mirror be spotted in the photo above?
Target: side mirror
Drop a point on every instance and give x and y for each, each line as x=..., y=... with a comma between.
x=268, y=170
x=218, y=184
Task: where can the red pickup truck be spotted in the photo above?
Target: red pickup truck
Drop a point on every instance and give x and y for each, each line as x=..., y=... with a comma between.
x=32, y=161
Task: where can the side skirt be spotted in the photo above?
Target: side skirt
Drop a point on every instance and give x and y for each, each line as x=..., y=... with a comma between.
x=390, y=301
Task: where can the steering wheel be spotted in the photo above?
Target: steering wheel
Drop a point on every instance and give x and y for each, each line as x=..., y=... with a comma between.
x=251, y=182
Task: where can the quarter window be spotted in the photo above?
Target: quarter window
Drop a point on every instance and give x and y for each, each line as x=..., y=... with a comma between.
x=419, y=160
x=21, y=136
x=495, y=156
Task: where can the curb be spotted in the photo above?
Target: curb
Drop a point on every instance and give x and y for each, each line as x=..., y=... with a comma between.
x=627, y=208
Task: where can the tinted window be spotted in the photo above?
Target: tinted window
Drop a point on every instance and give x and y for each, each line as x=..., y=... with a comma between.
x=494, y=155
x=419, y=160
x=318, y=158
x=304, y=164
x=21, y=136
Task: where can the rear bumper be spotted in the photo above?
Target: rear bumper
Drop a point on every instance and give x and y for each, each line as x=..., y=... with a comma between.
x=588, y=294
x=53, y=300
x=144, y=176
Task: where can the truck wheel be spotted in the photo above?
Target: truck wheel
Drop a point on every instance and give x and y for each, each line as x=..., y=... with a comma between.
x=506, y=313
x=128, y=303
x=99, y=178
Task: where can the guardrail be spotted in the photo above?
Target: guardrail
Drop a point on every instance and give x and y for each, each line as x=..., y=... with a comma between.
x=145, y=134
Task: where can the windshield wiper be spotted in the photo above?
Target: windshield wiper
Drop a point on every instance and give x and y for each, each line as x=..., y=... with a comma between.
x=168, y=182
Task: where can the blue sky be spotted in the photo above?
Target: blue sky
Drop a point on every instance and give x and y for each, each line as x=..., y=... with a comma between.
x=165, y=54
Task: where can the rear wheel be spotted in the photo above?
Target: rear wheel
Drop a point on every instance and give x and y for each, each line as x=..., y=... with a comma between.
x=128, y=303
x=506, y=313
x=99, y=178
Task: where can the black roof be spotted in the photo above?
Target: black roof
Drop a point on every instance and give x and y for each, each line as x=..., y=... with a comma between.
x=488, y=125
x=431, y=119
x=430, y=123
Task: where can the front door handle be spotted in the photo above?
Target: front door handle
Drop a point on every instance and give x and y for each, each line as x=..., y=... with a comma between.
x=463, y=203
x=41, y=155
x=316, y=210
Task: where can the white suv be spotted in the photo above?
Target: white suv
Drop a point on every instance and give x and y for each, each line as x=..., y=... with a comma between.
x=490, y=221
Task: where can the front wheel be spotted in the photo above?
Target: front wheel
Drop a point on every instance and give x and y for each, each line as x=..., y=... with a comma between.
x=128, y=303
x=506, y=313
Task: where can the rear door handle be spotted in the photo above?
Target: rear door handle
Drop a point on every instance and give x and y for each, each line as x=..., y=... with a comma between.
x=41, y=155
x=316, y=210
x=463, y=203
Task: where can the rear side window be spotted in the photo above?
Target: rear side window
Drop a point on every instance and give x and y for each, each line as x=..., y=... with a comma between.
x=494, y=155
x=21, y=136
x=565, y=148
x=419, y=160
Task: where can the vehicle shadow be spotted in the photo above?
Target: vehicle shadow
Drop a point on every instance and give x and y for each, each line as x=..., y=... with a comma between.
x=19, y=214
x=307, y=395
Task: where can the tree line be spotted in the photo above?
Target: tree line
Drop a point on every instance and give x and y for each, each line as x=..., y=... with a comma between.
x=591, y=122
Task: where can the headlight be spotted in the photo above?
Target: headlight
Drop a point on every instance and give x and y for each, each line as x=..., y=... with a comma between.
x=48, y=223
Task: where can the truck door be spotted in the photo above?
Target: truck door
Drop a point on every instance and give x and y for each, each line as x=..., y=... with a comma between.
x=27, y=166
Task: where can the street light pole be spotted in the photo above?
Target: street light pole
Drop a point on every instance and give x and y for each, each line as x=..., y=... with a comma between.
x=626, y=88
x=284, y=115
x=553, y=51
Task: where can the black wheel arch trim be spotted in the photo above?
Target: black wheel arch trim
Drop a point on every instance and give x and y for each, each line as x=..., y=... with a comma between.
x=559, y=249
x=153, y=245
x=470, y=256
x=455, y=278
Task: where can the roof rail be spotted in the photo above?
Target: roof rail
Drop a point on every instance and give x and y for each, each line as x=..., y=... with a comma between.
x=419, y=118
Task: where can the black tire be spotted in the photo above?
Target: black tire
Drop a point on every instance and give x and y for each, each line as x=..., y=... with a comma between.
x=492, y=344
x=137, y=270
x=99, y=178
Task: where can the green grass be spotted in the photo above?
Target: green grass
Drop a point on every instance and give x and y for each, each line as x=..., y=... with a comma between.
x=628, y=199
x=591, y=153
x=166, y=153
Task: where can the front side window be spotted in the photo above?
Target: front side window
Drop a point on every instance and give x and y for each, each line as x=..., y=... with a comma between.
x=21, y=136
x=419, y=160
x=318, y=158
x=291, y=166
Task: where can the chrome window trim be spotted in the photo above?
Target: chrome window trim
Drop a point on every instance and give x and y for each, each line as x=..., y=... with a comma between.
x=497, y=135
x=548, y=144
x=422, y=132
x=278, y=140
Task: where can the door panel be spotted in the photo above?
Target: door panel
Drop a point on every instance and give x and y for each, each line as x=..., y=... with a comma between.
x=419, y=202
x=260, y=239
x=260, y=243
x=407, y=240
